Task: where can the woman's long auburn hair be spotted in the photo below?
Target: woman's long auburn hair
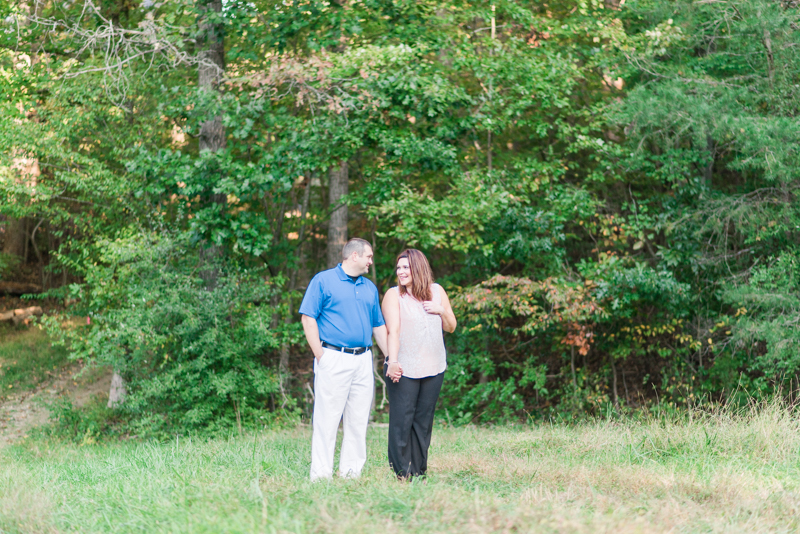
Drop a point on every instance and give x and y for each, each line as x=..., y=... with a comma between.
x=421, y=274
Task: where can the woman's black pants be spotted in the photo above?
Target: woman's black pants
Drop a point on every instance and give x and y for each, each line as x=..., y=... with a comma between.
x=412, y=402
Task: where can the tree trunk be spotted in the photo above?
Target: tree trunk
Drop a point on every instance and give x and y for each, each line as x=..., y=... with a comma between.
x=212, y=131
x=614, y=381
x=211, y=70
x=38, y=253
x=283, y=364
x=15, y=235
x=337, y=226
x=301, y=234
x=374, y=248
x=572, y=367
x=117, y=392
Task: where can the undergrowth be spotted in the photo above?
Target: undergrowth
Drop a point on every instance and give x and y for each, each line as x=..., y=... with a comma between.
x=27, y=358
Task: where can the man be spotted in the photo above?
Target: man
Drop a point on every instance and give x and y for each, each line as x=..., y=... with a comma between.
x=340, y=314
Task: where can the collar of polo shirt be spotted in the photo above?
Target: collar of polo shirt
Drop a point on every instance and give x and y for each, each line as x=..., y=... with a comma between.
x=343, y=276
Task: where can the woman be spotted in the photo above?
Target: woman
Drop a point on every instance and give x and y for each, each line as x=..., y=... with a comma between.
x=416, y=311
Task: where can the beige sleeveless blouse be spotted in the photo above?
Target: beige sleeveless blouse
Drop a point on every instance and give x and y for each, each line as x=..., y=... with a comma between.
x=422, y=351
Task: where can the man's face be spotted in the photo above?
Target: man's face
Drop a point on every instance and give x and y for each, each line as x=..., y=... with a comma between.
x=362, y=263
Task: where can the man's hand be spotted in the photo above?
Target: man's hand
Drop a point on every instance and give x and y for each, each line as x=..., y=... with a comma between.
x=311, y=331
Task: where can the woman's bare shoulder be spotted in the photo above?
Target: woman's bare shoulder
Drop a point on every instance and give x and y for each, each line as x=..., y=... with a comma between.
x=440, y=289
x=392, y=294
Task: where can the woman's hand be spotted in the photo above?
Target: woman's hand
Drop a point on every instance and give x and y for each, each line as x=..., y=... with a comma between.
x=394, y=371
x=433, y=308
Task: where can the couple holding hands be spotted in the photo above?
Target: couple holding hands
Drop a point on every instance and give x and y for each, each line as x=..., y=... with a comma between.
x=340, y=314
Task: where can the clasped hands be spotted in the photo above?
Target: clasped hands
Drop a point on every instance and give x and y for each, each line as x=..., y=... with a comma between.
x=394, y=371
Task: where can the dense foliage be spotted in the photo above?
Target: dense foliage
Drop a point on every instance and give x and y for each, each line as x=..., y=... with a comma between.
x=606, y=189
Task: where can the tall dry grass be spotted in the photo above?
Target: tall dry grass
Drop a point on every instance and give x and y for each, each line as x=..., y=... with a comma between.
x=721, y=471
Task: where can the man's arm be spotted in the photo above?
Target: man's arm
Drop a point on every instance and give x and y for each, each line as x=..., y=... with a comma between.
x=380, y=334
x=312, y=335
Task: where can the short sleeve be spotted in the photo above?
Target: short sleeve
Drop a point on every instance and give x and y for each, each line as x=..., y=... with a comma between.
x=377, y=316
x=312, y=300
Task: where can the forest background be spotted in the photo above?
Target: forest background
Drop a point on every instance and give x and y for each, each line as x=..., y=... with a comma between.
x=607, y=189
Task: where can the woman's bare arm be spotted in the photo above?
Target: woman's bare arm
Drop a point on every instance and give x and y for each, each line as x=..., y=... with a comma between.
x=449, y=322
x=444, y=310
x=391, y=314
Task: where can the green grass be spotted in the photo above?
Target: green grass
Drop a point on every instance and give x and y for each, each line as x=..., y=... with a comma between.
x=715, y=473
x=27, y=358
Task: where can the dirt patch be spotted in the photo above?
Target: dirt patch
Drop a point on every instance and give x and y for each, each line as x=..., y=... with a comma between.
x=22, y=412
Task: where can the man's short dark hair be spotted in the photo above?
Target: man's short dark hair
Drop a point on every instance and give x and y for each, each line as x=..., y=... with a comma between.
x=355, y=245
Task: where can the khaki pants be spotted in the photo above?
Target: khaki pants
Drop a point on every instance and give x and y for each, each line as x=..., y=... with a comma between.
x=343, y=389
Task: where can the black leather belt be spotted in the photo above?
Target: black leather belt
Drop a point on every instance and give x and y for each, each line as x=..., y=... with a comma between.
x=357, y=350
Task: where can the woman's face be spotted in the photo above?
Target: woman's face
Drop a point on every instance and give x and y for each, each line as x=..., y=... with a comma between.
x=403, y=272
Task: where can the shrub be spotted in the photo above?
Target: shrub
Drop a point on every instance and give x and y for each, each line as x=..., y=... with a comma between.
x=763, y=330
x=86, y=425
x=527, y=347
x=194, y=358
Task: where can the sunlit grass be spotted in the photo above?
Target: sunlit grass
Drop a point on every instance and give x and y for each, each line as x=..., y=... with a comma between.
x=717, y=473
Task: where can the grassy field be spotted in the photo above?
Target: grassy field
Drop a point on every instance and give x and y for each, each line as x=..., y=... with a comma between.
x=716, y=473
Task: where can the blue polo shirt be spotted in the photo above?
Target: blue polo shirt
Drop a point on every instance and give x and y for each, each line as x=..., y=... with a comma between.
x=346, y=311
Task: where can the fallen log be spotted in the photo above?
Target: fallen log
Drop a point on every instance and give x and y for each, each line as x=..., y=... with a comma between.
x=21, y=315
x=18, y=288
